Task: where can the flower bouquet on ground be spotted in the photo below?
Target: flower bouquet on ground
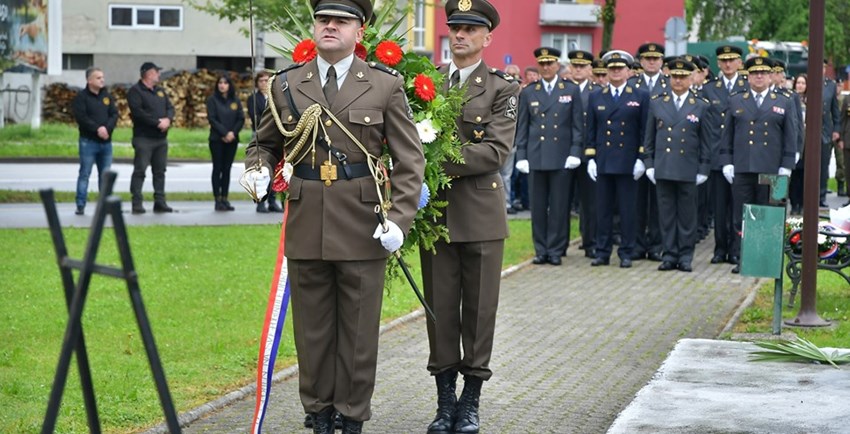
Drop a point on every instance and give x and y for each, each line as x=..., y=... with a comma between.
x=434, y=112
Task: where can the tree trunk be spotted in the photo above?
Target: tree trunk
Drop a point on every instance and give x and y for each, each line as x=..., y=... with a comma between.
x=608, y=16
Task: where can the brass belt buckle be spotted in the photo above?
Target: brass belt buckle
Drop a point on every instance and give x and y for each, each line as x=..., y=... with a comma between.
x=327, y=173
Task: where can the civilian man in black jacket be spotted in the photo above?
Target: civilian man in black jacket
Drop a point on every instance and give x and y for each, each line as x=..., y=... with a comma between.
x=94, y=110
x=256, y=105
x=152, y=114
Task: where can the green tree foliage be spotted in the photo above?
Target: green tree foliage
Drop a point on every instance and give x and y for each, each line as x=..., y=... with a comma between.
x=608, y=16
x=267, y=14
x=770, y=20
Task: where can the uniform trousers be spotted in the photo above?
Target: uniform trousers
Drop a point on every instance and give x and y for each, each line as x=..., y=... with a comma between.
x=623, y=189
x=677, y=210
x=336, y=314
x=825, y=156
x=722, y=195
x=151, y=152
x=551, y=196
x=745, y=189
x=587, y=199
x=462, y=287
x=648, y=231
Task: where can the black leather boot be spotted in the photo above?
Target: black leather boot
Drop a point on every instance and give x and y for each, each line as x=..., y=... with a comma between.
x=226, y=204
x=446, y=403
x=841, y=191
x=466, y=416
x=351, y=426
x=323, y=421
x=218, y=205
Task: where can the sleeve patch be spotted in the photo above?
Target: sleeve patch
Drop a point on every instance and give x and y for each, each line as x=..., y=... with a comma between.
x=510, y=110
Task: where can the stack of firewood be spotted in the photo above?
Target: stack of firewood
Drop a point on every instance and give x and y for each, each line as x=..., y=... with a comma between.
x=187, y=90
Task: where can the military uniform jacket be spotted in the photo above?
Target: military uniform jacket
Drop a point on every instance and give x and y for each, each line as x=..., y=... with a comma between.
x=486, y=127
x=662, y=84
x=759, y=139
x=678, y=142
x=585, y=95
x=845, y=121
x=615, y=130
x=549, y=125
x=831, y=113
x=798, y=116
x=336, y=222
x=717, y=94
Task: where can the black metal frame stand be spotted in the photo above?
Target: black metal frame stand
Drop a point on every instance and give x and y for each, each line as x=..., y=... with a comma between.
x=75, y=297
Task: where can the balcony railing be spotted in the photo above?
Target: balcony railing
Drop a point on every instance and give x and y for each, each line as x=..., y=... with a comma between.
x=583, y=15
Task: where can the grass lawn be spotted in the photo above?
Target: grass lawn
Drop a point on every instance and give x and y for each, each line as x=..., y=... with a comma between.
x=205, y=293
x=833, y=303
x=60, y=141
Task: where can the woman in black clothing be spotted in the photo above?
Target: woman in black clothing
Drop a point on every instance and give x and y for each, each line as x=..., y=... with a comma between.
x=224, y=112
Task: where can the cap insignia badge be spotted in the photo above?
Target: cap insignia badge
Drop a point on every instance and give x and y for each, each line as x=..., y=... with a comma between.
x=464, y=5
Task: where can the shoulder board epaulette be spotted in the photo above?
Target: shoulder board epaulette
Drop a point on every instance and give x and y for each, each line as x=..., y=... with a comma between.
x=502, y=74
x=384, y=68
x=718, y=83
x=737, y=91
x=703, y=99
x=290, y=67
x=658, y=94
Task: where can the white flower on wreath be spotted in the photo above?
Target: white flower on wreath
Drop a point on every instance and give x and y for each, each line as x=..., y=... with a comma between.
x=426, y=130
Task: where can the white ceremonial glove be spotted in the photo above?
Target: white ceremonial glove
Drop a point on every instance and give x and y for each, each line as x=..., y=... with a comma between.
x=650, y=173
x=784, y=172
x=392, y=238
x=591, y=169
x=639, y=169
x=729, y=173
x=796, y=158
x=256, y=182
x=572, y=162
x=522, y=166
x=701, y=179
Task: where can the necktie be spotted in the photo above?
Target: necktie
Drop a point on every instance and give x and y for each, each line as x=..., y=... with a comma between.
x=651, y=84
x=729, y=86
x=330, y=89
x=549, y=88
x=758, y=100
x=616, y=94
x=678, y=103
x=454, y=81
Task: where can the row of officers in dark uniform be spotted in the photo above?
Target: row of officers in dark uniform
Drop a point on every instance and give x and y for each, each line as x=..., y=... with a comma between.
x=662, y=153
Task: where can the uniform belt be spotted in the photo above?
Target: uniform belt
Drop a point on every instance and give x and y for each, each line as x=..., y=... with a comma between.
x=350, y=171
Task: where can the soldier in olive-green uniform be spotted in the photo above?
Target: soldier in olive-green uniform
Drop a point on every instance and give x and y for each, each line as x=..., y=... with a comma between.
x=336, y=268
x=462, y=279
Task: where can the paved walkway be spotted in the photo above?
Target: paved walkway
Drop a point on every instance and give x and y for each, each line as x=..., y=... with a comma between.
x=573, y=346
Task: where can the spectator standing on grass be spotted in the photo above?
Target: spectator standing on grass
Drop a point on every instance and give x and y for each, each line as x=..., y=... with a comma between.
x=256, y=104
x=152, y=114
x=95, y=113
x=226, y=118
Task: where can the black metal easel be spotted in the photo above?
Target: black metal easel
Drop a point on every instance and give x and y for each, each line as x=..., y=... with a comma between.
x=75, y=297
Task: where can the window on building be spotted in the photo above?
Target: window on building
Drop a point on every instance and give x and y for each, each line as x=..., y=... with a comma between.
x=145, y=17
x=445, y=50
x=419, y=25
x=77, y=62
x=567, y=42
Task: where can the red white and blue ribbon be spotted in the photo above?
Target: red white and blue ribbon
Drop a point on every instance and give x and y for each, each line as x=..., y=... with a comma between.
x=272, y=328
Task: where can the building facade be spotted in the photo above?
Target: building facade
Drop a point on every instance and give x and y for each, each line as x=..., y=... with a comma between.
x=566, y=25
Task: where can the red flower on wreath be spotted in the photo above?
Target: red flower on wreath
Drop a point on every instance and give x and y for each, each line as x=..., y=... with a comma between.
x=389, y=53
x=360, y=51
x=423, y=87
x=304, y=52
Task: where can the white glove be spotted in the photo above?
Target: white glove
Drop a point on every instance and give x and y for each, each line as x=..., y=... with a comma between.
x=256, y=182
x=729, y=173
x=522, y=166
x=572, y=162
x=639, y=169
x=701, y=179
x=591, y=169
x=392, y=238
x=796, y=158
x=650, y=173
x=784, y=172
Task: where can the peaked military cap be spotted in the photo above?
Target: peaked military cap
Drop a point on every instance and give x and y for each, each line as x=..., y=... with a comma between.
x=758, y=64
x=725, y=52
x=547, y=54
x=681, y=67
x=599, y=67
x=651, y=49
x=472, y=12
x=579, y=57
x=360, y=9
x=618, y=59
x=778, y=65
x=703, y=61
